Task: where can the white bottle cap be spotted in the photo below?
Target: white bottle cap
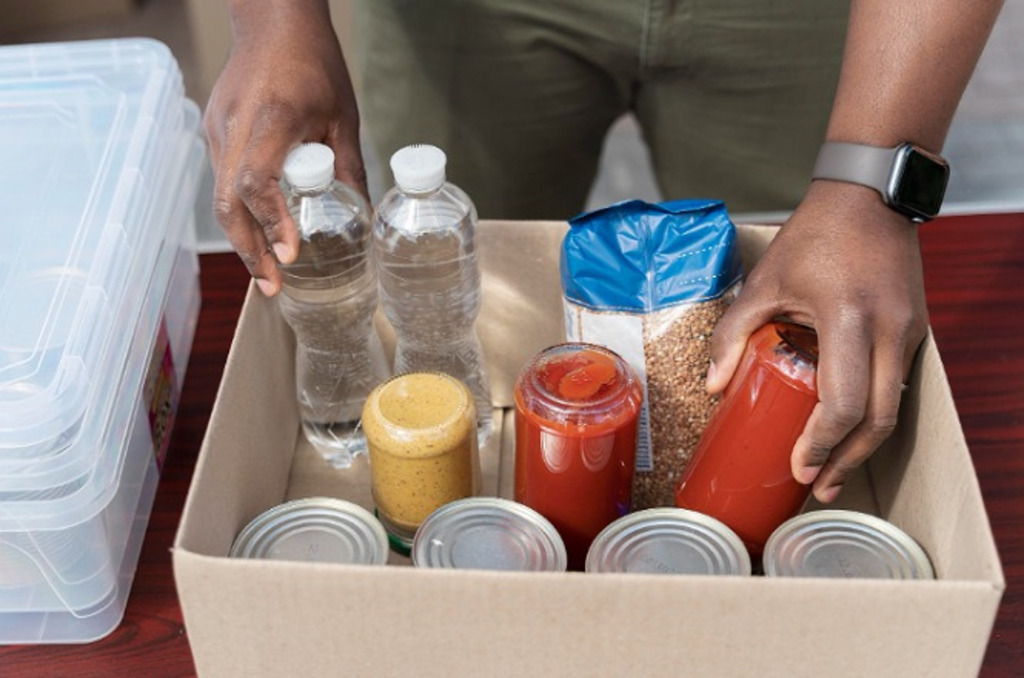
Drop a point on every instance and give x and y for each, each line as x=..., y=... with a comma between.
x=419, y=168
x=309, y=166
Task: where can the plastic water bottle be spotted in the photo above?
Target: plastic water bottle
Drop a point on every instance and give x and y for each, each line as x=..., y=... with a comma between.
x=424, y=244
x=328, y=298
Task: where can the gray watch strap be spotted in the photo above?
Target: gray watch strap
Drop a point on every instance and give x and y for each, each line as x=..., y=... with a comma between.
x=856, y=163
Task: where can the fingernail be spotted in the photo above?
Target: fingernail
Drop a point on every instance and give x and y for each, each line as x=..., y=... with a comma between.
x=266, y=287
x=829, y=495
x=807, y=474
x=712, y=373
x=282, y=252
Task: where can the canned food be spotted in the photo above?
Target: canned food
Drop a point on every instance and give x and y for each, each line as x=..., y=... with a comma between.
x=668, y=541
x=487, y=533
x=844, y=544
x=317, y=529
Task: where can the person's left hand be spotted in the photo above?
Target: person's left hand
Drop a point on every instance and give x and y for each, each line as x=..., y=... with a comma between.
x=849, y=266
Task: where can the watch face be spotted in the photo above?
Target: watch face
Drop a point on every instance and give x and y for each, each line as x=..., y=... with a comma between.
x=921, y=184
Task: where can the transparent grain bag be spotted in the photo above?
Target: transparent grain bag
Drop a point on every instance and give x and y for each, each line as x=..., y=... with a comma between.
x=650, y=282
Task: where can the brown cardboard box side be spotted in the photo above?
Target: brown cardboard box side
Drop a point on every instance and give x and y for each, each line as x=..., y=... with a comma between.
x=275, y=618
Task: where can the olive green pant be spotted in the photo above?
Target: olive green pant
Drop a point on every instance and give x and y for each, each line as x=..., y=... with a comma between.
x=733, y=96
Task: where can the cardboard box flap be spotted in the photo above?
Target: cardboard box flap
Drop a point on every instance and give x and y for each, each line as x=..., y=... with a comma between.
x=247, y=451
x=926, y=482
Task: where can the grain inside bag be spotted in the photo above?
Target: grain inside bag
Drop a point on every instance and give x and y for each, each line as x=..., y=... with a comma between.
x=650, y=282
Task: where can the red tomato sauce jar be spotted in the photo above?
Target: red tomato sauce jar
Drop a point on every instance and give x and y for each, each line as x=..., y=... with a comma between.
x=740, y=472
x=575, y=446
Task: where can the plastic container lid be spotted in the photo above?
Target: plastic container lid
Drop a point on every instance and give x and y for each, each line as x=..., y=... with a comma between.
x=579, y=384
x=65, y=489
x=89, y=460
x=419, y=168
x=309, y=167
x=87, y=133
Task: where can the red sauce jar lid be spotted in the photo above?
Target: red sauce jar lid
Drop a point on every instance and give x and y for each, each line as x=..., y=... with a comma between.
x=789, y=350
x=579, y=383
x=800, y=339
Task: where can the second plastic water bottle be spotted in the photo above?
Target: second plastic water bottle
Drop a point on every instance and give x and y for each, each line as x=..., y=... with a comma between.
x=424, y=242
x=329, y=298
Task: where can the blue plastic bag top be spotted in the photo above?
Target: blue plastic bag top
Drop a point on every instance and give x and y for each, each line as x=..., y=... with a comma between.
x=638, y=256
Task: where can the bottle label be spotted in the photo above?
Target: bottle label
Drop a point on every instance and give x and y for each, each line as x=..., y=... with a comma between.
x=644, y=454
x=624, y=334
x=161, y=394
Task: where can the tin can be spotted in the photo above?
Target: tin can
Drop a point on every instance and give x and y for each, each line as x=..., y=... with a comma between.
x=668, y=541
x=487, y=533
x=844, y=544
x=421, y=434
x=317, y=529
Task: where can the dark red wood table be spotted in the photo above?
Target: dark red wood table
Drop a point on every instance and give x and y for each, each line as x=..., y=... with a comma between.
x=974, y=270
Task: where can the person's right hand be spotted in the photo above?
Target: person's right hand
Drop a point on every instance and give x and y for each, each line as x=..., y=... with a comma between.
x=285, y=83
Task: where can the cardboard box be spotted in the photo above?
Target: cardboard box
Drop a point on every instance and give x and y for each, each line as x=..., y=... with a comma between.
x=247, y=618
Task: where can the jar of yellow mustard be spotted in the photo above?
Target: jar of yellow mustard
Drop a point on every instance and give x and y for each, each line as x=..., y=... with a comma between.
x=421, y=433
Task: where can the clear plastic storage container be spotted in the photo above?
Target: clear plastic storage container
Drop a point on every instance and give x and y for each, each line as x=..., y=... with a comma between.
x=87, y=132
x=99, y=164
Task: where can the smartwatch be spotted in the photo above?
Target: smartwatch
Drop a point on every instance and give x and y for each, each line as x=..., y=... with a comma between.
x=910, y=179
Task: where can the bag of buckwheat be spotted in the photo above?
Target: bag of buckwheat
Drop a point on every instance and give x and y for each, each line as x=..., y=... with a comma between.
x=650, y=282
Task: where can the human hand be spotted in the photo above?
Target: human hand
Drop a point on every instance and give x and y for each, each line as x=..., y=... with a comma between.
x=284, y=83
x=849, y=266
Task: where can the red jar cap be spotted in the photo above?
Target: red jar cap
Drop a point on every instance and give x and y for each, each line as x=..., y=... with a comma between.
x=803, y=340
x=578, y=383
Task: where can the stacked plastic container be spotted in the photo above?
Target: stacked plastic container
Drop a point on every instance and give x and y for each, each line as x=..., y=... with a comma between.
x=99, y=164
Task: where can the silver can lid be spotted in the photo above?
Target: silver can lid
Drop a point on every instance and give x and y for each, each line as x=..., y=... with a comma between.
x=317, y=529
x=488, y=533
x=668, y=541
x=844, y=544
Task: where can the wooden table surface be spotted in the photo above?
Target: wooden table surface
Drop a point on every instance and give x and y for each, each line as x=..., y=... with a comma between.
x=974, y=270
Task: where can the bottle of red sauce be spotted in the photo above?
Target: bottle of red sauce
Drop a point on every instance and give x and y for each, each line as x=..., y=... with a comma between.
x=576, y=427
x=740, y=472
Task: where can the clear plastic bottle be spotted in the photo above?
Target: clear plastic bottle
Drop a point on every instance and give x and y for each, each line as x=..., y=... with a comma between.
x=328, y=298
x=424, y=244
